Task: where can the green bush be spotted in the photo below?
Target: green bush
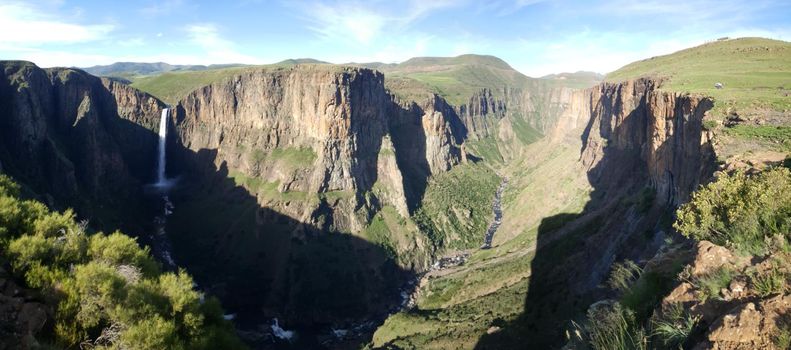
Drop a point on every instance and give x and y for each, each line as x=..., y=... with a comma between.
x=740, y=211
x=106, y=290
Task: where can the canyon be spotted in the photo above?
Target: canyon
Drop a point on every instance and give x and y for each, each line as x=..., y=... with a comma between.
x=319, y=195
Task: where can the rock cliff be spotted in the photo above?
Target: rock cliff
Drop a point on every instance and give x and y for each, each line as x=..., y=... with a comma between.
x=320, y=129
x=633, y=121
x=75, y=139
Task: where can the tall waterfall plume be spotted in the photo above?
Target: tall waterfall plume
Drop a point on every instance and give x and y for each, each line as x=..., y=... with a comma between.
x=163, y=133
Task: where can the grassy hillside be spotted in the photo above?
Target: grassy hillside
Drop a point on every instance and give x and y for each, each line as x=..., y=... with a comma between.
x=755, y=73
x=456, y=78
x=173, y=86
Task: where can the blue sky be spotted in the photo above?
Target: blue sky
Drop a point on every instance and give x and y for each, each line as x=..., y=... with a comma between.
x=537, y=37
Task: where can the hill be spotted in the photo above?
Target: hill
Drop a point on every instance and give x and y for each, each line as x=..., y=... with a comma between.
x=755, y=73
x=131, y=69
x=752, y=109
x=454, y=78
x=577, y=80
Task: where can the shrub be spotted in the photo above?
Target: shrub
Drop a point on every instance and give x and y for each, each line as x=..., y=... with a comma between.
x=613, y=327
x=739, y=211
x=106, y=291
x=120, y=249
x=710, y=284
x=624, y=275
x=674, y=326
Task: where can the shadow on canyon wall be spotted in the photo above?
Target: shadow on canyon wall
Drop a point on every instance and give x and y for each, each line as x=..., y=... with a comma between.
x=263, y=264
x=625, y=218
x=66, y=144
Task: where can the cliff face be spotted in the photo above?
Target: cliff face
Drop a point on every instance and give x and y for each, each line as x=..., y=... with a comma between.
x=320, y=129
x=662, y=130
x=279, y=162
x=481, y=113
x=67, y=135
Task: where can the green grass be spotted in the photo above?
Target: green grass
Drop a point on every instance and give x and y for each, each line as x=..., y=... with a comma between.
x=297, y=157
x=755, y=72
x=777, y=136
x=710, y=284
x=454, y=78
x=675, y=326
x=769, y=282
x=487, y=149
x=523, y=131
x=456, y=208
x=173, y=86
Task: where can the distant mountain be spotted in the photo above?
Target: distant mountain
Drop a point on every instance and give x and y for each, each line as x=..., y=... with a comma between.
x=293, y=61
x=579, y=80
x=454, y=78
x=127, y=69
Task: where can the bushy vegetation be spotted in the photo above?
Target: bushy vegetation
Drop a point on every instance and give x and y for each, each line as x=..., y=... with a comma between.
x=740, y=211
x=457, y=206
x=107, y=291
x=623, y=275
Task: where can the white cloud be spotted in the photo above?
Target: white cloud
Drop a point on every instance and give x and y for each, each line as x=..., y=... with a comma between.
x=363, y=22
x=24, y=24
x=132, y=42
x=605, y=52
x=217, y=49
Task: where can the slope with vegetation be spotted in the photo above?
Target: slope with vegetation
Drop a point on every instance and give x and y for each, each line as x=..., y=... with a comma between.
x=729, y=287
x=69, y=288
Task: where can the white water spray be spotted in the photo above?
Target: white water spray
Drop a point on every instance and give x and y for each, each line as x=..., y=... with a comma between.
x=281, y=333
x=163, y=133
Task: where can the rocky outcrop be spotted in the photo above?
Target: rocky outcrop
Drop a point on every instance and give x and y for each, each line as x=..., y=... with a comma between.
x=481, y=113
x=71, y=137
x=22, y=315
x=738, y=316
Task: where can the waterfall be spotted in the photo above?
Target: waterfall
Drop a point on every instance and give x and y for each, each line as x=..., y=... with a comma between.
x=163, y=133
x=161, y=244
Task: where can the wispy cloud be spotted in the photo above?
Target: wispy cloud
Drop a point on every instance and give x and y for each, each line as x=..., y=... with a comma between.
x=508, y=7
x=217, y=49
x=23, y=24
x=162, y=7
x=362, y=22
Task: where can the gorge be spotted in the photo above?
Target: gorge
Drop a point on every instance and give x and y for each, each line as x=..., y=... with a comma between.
x=316, y=199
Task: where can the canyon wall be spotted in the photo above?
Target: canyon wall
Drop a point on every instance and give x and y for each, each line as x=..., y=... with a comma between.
x=633, y=121
x=307, y=162
x=321, y=129
x=75, y=140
